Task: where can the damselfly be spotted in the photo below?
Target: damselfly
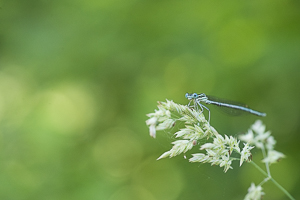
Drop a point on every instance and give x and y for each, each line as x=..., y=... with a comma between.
x=198, y=98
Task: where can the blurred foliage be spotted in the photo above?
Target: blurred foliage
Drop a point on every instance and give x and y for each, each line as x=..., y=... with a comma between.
x=78, y=77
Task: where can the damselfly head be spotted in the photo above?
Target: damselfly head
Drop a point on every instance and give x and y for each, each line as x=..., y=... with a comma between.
x=191, y=96
x=195, y=96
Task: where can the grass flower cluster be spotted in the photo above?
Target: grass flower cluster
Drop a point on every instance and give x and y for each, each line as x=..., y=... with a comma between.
x=263, y=140
x=216, y=149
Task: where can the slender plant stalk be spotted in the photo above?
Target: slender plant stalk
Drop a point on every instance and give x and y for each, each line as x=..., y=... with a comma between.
x=273, y=180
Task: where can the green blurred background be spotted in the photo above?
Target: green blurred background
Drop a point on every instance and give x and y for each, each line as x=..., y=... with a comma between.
x=77, y=79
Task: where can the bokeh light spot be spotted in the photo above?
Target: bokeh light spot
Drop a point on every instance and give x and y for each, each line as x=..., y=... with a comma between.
x=68, y=108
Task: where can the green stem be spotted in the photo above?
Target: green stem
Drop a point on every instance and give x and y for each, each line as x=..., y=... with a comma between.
x=266, y=163
x=275, y=182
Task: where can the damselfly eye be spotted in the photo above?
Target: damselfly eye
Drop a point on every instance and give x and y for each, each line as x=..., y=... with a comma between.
x=186, y=95
x=195, y=95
